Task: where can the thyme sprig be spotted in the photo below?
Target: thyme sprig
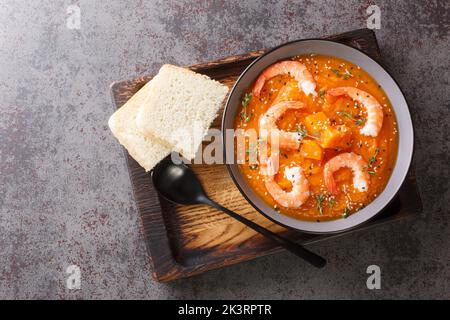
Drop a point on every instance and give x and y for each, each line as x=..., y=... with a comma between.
x=349, y=115
x=303, y=133
x=322, y=93
x=246, y=117
x=346, y=213
x=373, y=158
x=344, y=75
x=319, y=202
x=345, y=114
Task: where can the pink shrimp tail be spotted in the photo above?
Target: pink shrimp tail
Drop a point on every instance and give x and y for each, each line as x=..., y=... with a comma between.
x=329, y=182
x=336, y=91
x=259, y=84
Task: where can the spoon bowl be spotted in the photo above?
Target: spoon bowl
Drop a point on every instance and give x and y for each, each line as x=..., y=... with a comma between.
x=177, y=183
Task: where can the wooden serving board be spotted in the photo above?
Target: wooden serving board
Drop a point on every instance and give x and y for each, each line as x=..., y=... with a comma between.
x=187, y=240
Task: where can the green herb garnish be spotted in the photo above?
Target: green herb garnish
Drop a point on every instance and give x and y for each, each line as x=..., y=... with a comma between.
x=246, y=99
x=337, y=72
x=346, y=213
x=301, y=130
x=372, y=173
x=302, y=133
x=360, y=121
x=322, y=93
x=319, y=201
x=349, y=116
x=331, y=203
x=346, y=75
x=244, y=115
x=345, y=114
x=373, y=158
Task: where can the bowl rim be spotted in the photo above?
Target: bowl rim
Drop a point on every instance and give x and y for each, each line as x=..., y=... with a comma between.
x=242, y=191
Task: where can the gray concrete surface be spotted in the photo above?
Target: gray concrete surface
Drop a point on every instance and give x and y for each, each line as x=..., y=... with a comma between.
x=65, y=194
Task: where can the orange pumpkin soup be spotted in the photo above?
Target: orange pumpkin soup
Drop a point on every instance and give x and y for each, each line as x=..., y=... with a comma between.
x=337, y=137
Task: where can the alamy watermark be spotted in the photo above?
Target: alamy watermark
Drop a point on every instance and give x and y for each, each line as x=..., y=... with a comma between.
x=243, y=146
x=73, y=280
x=374, y=280
x=73, y=21
x=374, y=19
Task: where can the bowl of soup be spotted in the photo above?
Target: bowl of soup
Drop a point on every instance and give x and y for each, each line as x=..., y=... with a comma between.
x=322, y=136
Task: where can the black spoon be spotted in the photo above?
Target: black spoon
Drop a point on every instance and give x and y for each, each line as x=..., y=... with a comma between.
x=178, y=183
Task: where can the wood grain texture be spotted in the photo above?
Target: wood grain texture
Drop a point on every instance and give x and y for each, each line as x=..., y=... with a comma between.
x=187, y=240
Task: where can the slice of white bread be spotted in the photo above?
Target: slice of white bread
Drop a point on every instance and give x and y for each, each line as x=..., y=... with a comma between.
x=145, y=150
x=180, y=108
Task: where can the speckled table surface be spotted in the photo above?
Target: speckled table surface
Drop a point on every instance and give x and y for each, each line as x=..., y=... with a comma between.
x=65, y=194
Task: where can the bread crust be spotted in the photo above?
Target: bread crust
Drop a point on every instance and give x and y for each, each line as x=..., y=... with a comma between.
x=146, y=150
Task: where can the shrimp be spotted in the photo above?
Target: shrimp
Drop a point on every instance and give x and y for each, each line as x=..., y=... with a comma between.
x=350, y=160
x=268, y=126
x=300, y=186
x=374, y=110
x=295, y=69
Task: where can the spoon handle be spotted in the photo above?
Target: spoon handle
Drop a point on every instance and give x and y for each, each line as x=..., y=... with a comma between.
x=293, y=247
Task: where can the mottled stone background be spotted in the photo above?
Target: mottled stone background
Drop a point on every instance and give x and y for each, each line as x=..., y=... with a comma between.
x=65, y=194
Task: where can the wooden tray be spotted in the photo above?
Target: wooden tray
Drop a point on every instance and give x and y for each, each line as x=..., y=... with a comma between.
x=184, y=241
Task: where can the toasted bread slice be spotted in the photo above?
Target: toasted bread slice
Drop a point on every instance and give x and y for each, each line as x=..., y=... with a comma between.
x=144, y=149
x=180, y=108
